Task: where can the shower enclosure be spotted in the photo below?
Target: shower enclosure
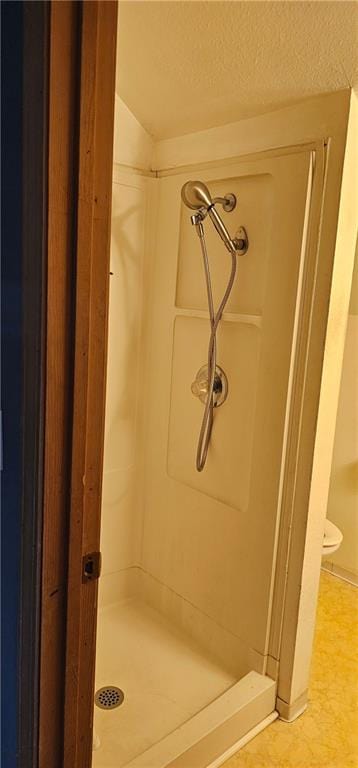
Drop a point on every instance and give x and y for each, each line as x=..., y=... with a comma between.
x=188, y=558
x=192, y=590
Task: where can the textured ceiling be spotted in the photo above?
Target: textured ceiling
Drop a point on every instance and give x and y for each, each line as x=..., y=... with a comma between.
x=185, y=66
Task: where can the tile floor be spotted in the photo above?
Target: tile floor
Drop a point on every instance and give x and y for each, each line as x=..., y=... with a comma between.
x=326, y=735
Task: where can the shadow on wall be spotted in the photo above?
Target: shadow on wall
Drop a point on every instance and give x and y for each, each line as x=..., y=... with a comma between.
x=119, y=531
x=124, y=330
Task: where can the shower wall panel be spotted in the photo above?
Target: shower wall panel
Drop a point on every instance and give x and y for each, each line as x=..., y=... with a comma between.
x=121, y=526
x=254, y=196
x=230, y=452
x=209, y=540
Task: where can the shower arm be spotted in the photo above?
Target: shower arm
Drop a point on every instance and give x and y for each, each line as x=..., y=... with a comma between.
x=228, y=202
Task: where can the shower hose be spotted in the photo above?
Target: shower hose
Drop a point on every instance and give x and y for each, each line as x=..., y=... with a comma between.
x=208, y=416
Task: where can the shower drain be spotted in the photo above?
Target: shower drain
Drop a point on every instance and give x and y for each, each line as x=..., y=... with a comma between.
x=109, y=697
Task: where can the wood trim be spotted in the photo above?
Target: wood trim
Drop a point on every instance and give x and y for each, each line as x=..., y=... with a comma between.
x=96, y=120
x=81, y=114
x=64, y=27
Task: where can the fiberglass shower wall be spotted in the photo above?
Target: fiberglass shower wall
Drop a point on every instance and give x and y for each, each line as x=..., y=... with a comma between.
x=205, y=550
x=208, y=547
x=123, y=455
x=200, y=548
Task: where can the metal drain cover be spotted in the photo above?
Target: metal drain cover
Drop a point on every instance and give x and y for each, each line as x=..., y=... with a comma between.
x=108, y=697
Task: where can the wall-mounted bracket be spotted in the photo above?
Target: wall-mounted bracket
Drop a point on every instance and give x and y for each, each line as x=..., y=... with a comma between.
x=241, y=241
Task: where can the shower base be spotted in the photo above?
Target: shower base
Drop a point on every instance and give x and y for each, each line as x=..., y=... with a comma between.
x=181, y=707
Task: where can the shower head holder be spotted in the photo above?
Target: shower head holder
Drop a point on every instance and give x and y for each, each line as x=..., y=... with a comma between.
x=241, y=241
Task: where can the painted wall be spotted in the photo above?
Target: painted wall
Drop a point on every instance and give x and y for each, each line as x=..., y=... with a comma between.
x=133, y=146
x=343, y=493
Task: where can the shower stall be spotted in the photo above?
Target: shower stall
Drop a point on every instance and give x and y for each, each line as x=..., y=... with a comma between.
x=208, y=362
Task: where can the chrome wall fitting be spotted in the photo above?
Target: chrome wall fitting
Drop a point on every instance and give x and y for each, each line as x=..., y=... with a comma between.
x=241, y=241
x=228, y=202
x=200, y=386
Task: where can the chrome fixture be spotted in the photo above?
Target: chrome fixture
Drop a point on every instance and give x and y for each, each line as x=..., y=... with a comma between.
x=196, y=196
x=200, y=385
x=210, y=385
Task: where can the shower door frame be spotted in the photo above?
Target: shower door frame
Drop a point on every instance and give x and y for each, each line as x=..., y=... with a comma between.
x=81, y=68
x=94, y=194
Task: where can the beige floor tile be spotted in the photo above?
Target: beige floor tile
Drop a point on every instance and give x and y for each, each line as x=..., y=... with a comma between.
x=326, y=735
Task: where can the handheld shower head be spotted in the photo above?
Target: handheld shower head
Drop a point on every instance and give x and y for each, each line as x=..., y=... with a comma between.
x=196, y=195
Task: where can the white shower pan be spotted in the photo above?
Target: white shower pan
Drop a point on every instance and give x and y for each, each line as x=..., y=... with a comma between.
x=181, y=706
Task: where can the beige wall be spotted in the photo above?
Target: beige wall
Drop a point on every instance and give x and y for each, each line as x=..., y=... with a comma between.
x=133, y=146
x=343, y=494
x=119, y=539
x=121, y=495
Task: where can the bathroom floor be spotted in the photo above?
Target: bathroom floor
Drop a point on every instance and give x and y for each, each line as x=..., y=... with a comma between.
x=326, y=735
x=165, y=678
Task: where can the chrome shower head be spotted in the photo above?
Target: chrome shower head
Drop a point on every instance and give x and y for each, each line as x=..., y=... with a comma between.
x=196, y=195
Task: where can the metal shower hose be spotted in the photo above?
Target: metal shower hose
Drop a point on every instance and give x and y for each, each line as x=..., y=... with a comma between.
x=208, y=417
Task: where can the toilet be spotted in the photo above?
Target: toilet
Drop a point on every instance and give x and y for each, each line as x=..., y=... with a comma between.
x=332, y=538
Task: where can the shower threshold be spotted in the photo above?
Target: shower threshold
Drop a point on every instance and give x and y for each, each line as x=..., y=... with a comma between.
x=181, y=708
